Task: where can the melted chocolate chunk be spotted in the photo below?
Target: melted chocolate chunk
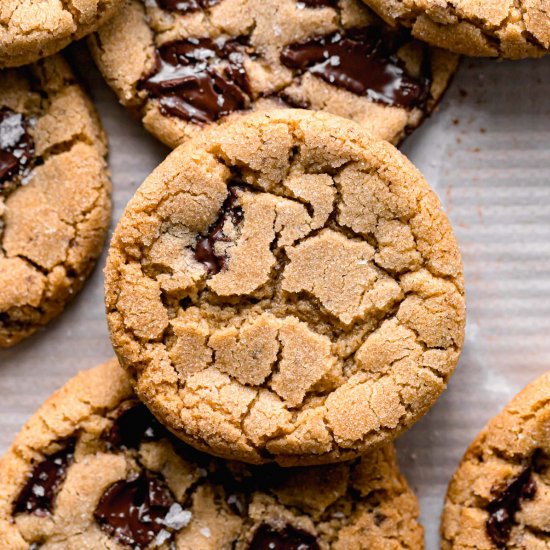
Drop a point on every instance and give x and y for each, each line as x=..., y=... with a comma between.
x=198, y=79
x=290, y=538
x=16, y=145
x=186, y=6
x=318, y=3
x=204, y=249
x=503, y=509
x=133, y=511
x=38, y=495
x=362, y=61
x=133, y=426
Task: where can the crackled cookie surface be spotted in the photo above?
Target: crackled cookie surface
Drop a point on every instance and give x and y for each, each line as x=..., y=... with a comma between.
x=93, y=469
x=488, y=28
x=498, y=497
x=54, y=194
x=286, y=288
x=186, y=64
x=33, y=29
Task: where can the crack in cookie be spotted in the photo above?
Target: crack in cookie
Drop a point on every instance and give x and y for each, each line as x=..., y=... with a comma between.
x=287, y=289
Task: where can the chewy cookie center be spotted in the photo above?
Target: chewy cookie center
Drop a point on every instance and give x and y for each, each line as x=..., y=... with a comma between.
x=281, y=261
x=267, y=245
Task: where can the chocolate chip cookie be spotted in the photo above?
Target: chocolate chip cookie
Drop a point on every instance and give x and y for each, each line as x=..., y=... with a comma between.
x=286, y=288
x=93, y=469
x=185, y=65
x=498, y=497
x=488, y=28
x=33, y=29
x=54, y=194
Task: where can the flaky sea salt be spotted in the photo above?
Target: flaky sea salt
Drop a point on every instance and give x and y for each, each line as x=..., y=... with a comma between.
x=177, y=517
x=11, y=130
x=162, y=536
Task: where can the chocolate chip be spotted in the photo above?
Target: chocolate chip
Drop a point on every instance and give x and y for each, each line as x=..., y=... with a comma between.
x=198, y=79
x=133, y=426
x=16, y=145
x=8, y=164
x=186, y=6
x=43, y=484
x=362, y=61
x=318, y=3
x=290, y=538
x=503, y=509
x=204, y=249
x=133, y=511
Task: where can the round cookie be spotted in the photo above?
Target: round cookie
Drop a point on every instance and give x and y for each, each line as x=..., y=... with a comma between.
x=185, y=65
x=54, y=194
x=93, y=469
x=512, y=29
x=286, y=288
x=33, y=29
x=498, y=497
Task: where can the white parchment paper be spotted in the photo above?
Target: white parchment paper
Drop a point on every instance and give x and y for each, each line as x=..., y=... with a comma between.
x=486, y=152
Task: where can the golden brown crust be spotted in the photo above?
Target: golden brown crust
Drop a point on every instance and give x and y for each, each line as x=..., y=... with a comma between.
x=511, y=29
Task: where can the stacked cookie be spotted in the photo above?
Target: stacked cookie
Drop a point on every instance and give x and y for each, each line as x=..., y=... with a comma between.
x=283, y=290
x=284, y=293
